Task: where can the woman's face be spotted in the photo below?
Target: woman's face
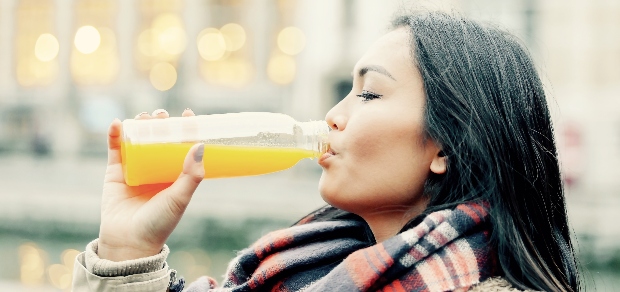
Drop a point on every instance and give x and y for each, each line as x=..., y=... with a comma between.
x=380, y=155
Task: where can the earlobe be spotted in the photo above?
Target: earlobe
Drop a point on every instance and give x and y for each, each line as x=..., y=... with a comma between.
x=438, y=165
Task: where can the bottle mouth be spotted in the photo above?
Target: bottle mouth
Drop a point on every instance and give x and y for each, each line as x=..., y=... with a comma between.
x=316, y=136
x=323, y=145
x=322, y=138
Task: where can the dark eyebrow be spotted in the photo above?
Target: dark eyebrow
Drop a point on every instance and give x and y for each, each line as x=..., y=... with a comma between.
x=375, y=68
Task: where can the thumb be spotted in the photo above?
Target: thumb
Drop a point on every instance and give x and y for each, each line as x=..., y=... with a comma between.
x=180, y=192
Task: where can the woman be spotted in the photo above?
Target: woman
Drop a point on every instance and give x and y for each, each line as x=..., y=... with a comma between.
x=442, y=175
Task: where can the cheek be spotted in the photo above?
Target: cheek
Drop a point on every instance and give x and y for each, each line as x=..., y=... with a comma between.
x=388, y=150
x=380, y=167
x=397, y=174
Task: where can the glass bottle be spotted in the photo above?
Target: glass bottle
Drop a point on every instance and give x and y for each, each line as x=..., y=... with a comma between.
x=236, y=144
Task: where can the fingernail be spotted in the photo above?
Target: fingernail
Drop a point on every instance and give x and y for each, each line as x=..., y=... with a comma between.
x=159, y=111
x=140, y=114
x=199, y=153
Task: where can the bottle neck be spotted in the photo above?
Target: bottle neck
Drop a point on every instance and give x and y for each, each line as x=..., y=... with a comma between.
x=313, y=136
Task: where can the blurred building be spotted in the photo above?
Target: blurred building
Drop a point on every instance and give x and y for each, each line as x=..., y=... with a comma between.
x=68, y=67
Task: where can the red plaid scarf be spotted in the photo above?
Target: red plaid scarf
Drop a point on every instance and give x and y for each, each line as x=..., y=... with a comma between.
x=448, y=250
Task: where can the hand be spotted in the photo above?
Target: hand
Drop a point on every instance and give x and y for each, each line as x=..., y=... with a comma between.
x=137, y=221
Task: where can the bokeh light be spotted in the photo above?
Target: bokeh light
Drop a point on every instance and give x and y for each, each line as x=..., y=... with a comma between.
x=163, y=76
x=59, y=275
x=172, y=40
x=46, y=47
x=32, y=264
x=234, y=36
x=99, y=67
x=211, y=44
x=33, y=267
x=163, y=40
x=87, y=39
x=291, y=40
x=281, y=69
x=169, y=32
x=68, y=256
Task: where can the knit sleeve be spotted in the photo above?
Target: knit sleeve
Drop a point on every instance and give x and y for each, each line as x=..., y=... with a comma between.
x=107, y=268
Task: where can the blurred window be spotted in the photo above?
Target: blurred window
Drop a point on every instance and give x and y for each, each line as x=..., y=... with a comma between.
x=224, y=44
x=94, y=53
x=161, y=40
x=289, y=42
x=36, y=45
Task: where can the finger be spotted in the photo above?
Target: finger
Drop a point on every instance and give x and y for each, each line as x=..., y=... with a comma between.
x=160, y=114
x=178, y=195
x=114, y=142
x=188, y=113
x=143, y=116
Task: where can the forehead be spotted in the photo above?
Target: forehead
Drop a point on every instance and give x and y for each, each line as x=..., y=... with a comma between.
x=393, y=52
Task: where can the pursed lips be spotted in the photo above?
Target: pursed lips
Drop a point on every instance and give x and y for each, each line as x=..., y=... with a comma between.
x=329, y=153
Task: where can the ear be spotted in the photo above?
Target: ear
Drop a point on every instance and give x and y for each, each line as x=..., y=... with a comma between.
x=439, y=163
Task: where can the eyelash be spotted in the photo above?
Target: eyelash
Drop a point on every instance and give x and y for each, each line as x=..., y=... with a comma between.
x=368, y=96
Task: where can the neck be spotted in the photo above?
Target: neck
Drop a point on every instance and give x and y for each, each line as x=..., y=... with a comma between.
x=386, y=223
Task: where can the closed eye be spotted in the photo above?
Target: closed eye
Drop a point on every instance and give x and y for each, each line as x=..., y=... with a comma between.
x=368, y=95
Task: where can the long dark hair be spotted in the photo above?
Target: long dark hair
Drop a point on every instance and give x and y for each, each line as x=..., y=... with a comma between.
x=486, y=107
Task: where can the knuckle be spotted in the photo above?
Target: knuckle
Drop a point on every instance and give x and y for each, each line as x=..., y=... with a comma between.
x=195, y=178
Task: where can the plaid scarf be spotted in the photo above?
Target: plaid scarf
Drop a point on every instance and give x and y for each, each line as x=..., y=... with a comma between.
x=447, y=250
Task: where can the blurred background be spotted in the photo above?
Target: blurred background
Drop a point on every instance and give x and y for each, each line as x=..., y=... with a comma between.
x=68, y=67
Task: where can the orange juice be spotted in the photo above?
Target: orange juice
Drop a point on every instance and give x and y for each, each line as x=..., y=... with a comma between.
x=163, y=162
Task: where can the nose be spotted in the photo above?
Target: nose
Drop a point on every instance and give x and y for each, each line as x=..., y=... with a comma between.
x=336, y=117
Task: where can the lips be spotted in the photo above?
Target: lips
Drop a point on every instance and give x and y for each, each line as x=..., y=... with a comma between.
x=330, y=150
x=328, y=154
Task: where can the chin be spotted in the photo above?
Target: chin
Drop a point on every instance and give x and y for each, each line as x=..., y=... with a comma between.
x=337, y=191
x=332, y=194
x=327, y=189
x=322, y=187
